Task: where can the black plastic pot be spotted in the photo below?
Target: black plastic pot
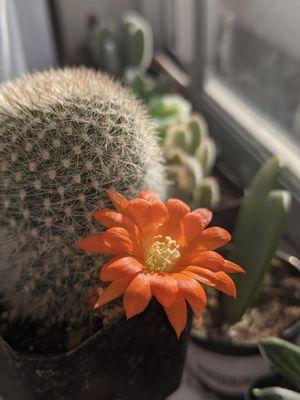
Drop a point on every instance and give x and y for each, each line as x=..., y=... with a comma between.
x=268, y=381
x=132, y=360
x=226, y=368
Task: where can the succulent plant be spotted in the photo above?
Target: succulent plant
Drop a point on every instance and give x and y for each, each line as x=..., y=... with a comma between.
x=66, y=136
x=168, y=110
x=285, y=357
x=122, y=51
x=275, y=393
x=191, y=155
x=146, y=87
x=257, y=234
x=207, y=193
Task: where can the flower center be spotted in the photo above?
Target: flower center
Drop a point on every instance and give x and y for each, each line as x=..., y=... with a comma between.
x=163, y=254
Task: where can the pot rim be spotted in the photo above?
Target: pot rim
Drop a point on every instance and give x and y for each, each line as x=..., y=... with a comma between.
x=245, y=349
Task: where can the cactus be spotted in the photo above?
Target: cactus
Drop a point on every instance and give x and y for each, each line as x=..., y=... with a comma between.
x=257, y=234
x=137, y=41
x=197, y=151
x=122, y=51
x=285, y=357
x=66, y=136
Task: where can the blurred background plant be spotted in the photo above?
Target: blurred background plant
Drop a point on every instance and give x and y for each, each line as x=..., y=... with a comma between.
x=191, y=155
x=125, y=51
x=285, y=358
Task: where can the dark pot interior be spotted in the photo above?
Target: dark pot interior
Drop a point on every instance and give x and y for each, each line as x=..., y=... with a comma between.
x=136, y=359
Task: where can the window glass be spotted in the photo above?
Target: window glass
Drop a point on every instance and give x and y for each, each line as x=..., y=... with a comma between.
x=178, y=29
x=254, y=50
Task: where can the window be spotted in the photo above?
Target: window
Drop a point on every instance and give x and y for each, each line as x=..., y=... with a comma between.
x=244, y=69
x=178, y=29
x=250, y=63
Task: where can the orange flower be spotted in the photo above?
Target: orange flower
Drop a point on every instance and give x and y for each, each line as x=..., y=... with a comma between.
x=160, y=250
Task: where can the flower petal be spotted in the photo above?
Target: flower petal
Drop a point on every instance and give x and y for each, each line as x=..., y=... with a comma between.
x=232, y=268
x=164, y=288
x=219, y=280
x=118, y=200
x=194, y=222
x=111, y=219
x=210, y=239
x=137, y=295
x=177, y=210
x=158, y=212
x=157, y=218
x=113, y=241
x=114, y=290
x=177, y=314
x=206, y=259
x=192, y=292
x=120, y=268
x=198, y=278
x=138, y=209
x=148, y=195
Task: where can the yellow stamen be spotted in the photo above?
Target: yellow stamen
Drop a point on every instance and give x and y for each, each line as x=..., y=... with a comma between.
x=163, y=254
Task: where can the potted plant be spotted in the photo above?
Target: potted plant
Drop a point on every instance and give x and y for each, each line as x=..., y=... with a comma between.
x=225, y=352
x=69, y=139
x=285, y=358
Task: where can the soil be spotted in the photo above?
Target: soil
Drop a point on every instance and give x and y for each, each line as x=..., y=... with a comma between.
x=40, y=337
x=276, y=309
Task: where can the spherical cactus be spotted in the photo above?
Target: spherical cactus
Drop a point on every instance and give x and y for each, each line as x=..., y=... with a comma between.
x=65, y=137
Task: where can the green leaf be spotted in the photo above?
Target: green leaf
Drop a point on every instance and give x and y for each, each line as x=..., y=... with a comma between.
x=275, y=393
x=285, y=357
x=253, y=250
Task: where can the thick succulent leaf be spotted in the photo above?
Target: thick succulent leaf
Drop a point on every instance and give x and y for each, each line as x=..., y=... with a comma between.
x=257, y=233
x=285, y=357
x=254, y=249
x=275, y=393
